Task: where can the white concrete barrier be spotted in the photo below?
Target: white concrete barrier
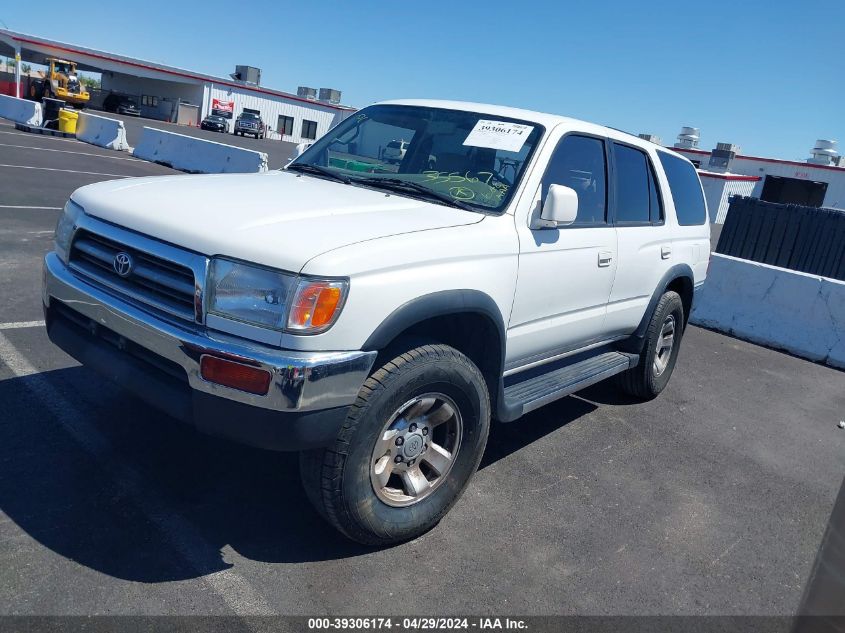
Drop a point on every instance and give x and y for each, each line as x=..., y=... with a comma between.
x=197, y=155
x=102, y=131
x=800, y=313
x=20, y=110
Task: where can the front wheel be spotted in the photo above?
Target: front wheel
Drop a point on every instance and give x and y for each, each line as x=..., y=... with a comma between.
x=660, y=351
x=408, y=448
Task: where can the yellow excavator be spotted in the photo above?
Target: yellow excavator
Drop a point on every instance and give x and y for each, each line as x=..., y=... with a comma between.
x=59, y=82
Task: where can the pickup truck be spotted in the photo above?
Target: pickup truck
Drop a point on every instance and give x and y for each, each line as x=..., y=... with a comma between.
x=377, y=321
x=249, y=122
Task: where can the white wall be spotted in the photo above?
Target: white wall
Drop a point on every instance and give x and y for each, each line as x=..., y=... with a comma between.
x=271, y=107
x=834, y=197
x=718, y=191
x=835, y=176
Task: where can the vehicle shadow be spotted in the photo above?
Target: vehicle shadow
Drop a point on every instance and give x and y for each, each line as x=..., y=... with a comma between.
x=100, y=478
x=506, y=439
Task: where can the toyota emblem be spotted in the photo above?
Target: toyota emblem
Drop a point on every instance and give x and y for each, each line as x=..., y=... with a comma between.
x=123, y=264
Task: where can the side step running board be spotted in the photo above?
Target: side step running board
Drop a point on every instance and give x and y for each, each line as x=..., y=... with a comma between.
x=532, y=393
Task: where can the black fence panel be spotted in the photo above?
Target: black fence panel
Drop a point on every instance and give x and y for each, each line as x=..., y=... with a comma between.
x=806, y=239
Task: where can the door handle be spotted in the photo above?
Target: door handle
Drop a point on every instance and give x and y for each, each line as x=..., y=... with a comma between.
x=665, y=252
x=605, y=257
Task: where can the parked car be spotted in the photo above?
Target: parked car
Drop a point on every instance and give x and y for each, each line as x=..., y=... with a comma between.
x=395, y=152
x=121, y=105
x=249, y=122
x=215, y=123
x=378, y=322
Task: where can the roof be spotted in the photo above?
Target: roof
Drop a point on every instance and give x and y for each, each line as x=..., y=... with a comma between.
x=12, y=38
x=776, y=161
x=710, y=174
x=543, y=118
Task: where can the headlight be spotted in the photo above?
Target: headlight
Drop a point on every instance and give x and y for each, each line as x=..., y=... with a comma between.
x=249, y=293
x=64, y=229
x=273, y=299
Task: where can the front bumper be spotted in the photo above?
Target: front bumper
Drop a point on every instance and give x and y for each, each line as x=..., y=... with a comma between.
x=159, y=361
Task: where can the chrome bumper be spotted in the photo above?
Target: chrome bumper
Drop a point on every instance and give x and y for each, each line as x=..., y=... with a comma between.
x=302, y=381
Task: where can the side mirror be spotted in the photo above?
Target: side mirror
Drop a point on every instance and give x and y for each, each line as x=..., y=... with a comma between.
x=300, y=149
x=560, y=207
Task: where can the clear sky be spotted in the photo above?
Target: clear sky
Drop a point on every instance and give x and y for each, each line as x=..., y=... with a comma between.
x=766, y=75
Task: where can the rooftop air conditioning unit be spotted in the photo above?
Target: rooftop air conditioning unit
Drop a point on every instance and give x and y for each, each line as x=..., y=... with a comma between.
x=651, y=138
x=247, y=74
x=722, y=157
x=306, y=93
x=330, y=95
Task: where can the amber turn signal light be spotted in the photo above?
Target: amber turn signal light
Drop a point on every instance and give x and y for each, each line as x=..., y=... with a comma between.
x=315, y=305
x=235, y=375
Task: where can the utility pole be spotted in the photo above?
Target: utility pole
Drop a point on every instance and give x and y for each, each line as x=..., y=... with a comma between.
x=18, y=72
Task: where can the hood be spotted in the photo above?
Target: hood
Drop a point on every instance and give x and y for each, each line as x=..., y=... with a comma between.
x=277, y=219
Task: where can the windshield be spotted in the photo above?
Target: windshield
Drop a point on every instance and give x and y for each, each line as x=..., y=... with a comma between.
x=472, y=158
x=248, y=115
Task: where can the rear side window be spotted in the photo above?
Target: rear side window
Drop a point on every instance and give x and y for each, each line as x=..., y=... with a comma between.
x=632, y=191
x=579, y=162
x=637, y=196
x=686, y=190
x=655, y=202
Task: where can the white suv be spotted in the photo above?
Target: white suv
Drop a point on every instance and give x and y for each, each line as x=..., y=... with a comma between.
x=378, y=317
x=394, y=152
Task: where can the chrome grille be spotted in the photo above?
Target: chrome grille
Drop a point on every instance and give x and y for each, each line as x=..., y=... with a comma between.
x=153, y=281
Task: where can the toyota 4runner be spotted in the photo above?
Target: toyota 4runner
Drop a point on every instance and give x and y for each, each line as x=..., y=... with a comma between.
x=378, y=318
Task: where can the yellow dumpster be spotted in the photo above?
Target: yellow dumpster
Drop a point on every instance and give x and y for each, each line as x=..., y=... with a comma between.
x=67, y=121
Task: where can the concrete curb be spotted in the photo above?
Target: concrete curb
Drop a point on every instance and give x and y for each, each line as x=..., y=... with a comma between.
x=34, y=129
x=784, y=309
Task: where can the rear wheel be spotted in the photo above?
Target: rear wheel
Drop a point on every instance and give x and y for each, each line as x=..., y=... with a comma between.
x=660, y=351
x=407, y=450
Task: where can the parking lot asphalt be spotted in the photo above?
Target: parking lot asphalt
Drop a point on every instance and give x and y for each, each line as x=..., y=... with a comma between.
x=711, y=499
x=278, y=152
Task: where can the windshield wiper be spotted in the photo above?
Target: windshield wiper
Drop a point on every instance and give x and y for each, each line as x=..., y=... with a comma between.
x=397, y=184
x=308, y=168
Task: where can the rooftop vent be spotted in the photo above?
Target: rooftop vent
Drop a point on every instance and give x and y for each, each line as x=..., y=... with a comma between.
x=306, y=92
x=651, y=138
x=330, y=95
x=824, y=153
x=688, y=138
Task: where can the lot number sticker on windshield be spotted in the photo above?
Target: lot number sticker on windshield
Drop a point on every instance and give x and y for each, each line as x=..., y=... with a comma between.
x=509, y=137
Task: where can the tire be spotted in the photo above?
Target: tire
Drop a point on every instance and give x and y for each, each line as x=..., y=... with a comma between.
x=340, y=480
x=652, y=373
